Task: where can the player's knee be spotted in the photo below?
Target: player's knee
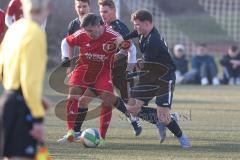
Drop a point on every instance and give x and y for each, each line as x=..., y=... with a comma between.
x=84, y=101
x=164, y=121
x=108, y=99
x=75, y=91
x=163, y=115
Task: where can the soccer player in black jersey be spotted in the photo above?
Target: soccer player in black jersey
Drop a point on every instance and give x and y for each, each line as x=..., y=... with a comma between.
x=125, y=64
x=158, y=79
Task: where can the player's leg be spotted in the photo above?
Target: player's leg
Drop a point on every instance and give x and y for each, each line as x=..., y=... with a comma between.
x=106, y=113
x=164, y=103
x=72, y=110
x=83, y=102
x=104, y=88
x=120, y=82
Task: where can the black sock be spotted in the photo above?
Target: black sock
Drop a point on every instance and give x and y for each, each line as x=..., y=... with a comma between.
x=82, y=112
x=121, y=106
x=174, y=128
x=148, y=114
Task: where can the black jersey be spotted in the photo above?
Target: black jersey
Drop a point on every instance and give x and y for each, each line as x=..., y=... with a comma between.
x=73, y=26
x=154, y=48
x=120, y=65
x=119, y=27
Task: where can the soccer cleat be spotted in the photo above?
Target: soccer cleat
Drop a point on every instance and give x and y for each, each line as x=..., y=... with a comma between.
x=102, y=142
x=71, y=136
x=184, y=141
x=161, y=131
x=137, y=127
x=135, y=121
x=204, y=81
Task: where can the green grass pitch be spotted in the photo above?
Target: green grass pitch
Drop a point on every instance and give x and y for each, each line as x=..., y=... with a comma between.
x=209, y=115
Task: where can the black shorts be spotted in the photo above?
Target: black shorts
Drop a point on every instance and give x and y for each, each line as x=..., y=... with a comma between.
x=152, y=85
x=17, y=123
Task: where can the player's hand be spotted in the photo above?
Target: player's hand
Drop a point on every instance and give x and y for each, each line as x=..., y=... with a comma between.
x=125, y=45
x=66, y=62
x=37, y=132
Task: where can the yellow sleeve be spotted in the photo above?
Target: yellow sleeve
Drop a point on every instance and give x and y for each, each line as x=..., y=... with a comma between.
x=32, y=71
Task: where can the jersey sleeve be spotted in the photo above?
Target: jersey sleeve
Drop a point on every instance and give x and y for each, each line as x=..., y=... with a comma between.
x=131, y=35
x=75, y=39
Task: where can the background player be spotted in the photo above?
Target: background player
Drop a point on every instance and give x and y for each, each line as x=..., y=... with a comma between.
x=14, y=12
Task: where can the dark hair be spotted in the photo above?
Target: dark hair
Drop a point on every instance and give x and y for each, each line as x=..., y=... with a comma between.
x=142, y=15
x=85, y=1
x=91, y=19
x=109, y=3
x=234, y=48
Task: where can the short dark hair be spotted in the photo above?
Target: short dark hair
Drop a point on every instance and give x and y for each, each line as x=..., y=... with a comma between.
x=91, y=19
x=85, y=1
x=234, y=48
x=142, y=15
x=109, y=3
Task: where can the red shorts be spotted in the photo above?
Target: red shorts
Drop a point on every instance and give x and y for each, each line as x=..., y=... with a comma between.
x=84, y=78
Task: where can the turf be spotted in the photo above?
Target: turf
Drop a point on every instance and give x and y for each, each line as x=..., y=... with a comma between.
x=209, y=115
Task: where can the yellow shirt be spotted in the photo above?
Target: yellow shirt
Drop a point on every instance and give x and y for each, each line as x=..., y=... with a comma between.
x=23, y=56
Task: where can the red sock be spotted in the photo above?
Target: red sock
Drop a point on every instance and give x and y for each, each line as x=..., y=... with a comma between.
x=105, y=118
x=72, y=107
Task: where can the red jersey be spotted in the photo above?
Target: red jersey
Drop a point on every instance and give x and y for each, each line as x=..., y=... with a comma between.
x=2, y=22
x=95, y=56
x=15, y=9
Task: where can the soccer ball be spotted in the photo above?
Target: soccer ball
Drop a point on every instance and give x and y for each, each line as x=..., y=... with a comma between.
x=90, y=138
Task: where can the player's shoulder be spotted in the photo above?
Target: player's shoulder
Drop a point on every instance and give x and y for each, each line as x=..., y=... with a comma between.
x=75, y=21
x=112, y=32
x=79, y=33
x=120, y=23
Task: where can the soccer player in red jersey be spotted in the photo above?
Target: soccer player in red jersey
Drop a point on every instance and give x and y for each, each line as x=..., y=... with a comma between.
x=2, y=25
x=14, y=12
x=92, y=75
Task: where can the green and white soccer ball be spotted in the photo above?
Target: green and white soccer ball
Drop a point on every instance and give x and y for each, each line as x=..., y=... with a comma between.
x=90, y=138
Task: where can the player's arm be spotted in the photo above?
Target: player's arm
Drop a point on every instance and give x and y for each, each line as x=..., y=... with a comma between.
x=123, y=47
x=132, y=57
x=66, y=50
x=32, y=69
x=131, y=35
